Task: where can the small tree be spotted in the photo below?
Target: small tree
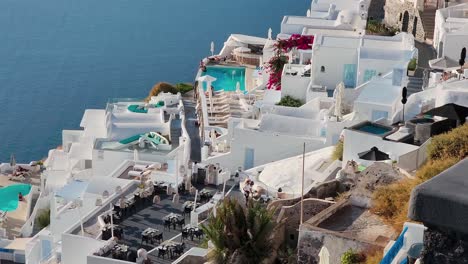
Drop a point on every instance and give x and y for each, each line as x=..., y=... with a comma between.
x=290, y=101
x=338, y=151
x=461, y=61
x=352, y=257
x=161, y=87
x=240, y=234
x=43, y=219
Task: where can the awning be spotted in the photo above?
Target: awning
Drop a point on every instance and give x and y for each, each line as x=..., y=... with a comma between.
x=72, y=190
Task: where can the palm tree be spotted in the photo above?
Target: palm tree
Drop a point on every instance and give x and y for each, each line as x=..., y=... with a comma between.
x=239, y=234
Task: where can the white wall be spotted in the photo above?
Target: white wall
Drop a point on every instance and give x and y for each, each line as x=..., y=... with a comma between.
x=294, y=86
x=102, y=260
x=267, y=147
x=112, y=159
x=453, y=45
x=333, y=60
x=356, y=142
x=75, y=249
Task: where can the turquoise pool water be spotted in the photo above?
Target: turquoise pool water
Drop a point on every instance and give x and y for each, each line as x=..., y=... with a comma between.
x=9, y=196
x=226, y=77
x=373, y=129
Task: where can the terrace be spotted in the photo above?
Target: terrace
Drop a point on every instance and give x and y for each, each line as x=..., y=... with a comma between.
x=150, y=211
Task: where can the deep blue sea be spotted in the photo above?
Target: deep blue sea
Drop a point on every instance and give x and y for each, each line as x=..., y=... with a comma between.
x=59, y=57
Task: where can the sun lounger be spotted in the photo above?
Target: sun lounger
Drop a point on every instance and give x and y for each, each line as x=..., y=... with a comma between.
x=135, y=173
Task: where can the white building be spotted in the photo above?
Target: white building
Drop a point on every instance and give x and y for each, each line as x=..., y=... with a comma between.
x=450, y=36
x=328, y=16
x=352, y=60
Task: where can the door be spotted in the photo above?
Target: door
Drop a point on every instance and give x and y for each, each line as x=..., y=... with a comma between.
x=249, y=158
x=349, y=75
x=404, y=24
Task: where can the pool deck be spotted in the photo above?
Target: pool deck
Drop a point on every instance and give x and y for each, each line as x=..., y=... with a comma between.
x=17, y=218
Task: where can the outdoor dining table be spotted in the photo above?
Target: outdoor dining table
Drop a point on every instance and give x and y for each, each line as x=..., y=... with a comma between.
x=189, y=204
x=173, y=217
x=119, y=251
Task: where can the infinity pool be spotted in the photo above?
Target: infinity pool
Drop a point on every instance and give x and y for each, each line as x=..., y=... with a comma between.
x=226, y=77
x=374, y=129
x=9, y=196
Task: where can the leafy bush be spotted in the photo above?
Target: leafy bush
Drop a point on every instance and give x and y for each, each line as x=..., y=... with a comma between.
x=289, y=101
x=391, y=201
x=377, y=28
x=351, y=257
x=184, y=87
x=412, y=64
x=338, y=151
x=161, y=87
x=452, y=144
x=43, y=219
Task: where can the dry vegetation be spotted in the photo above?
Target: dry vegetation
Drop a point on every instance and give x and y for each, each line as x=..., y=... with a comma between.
x=391, y=201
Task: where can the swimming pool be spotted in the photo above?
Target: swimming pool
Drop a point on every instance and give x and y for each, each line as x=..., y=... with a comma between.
x=374, y=129
x=226, y=77
x=9, y=196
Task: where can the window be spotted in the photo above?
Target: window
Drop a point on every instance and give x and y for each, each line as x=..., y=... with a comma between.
x=378, y=115
x=322, y=68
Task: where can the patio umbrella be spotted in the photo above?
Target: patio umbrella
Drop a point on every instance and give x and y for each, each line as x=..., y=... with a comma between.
x=212, y=48
x=374, y=154
x=450, y=111
x=213, y=137
x=13, y=161
x=308, y=12
x=238, y=88
x=339, y=100
x=270, y=31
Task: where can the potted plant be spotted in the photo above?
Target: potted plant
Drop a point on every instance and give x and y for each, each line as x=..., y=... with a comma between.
x=412, y=65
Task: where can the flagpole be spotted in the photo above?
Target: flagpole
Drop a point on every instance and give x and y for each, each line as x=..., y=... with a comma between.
x=302, y=185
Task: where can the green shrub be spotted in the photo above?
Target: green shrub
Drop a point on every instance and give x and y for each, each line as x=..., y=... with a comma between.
x=161, y=87
x=453, y=144
x=377, y=28
x=338, y=151
x=184, y=87
x=412, y=64
x=289, y=101
x=351, y=257
x=43, y=219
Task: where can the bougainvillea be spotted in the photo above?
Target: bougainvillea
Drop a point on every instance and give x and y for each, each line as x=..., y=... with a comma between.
x=275, y=65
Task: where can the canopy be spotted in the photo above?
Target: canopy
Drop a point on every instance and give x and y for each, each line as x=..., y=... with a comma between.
x=374, y=154
x=72, y=190
x=450, y=111
x=242, y=49
x=206, y=78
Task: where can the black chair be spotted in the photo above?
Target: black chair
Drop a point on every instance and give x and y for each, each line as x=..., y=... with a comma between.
x=178, y=250
x=167, y=224
x=181, y=223
x=199, y=233
x=145, y=238
x=185, y=234
x=159, y=238
x=131, y=256
x=174, y=224
x=162, y=252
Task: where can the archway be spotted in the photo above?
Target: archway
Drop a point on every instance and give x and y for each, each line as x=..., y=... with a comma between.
x=404, y=24
x=415, y=25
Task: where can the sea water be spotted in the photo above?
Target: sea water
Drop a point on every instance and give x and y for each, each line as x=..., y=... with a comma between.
x=60, y=57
